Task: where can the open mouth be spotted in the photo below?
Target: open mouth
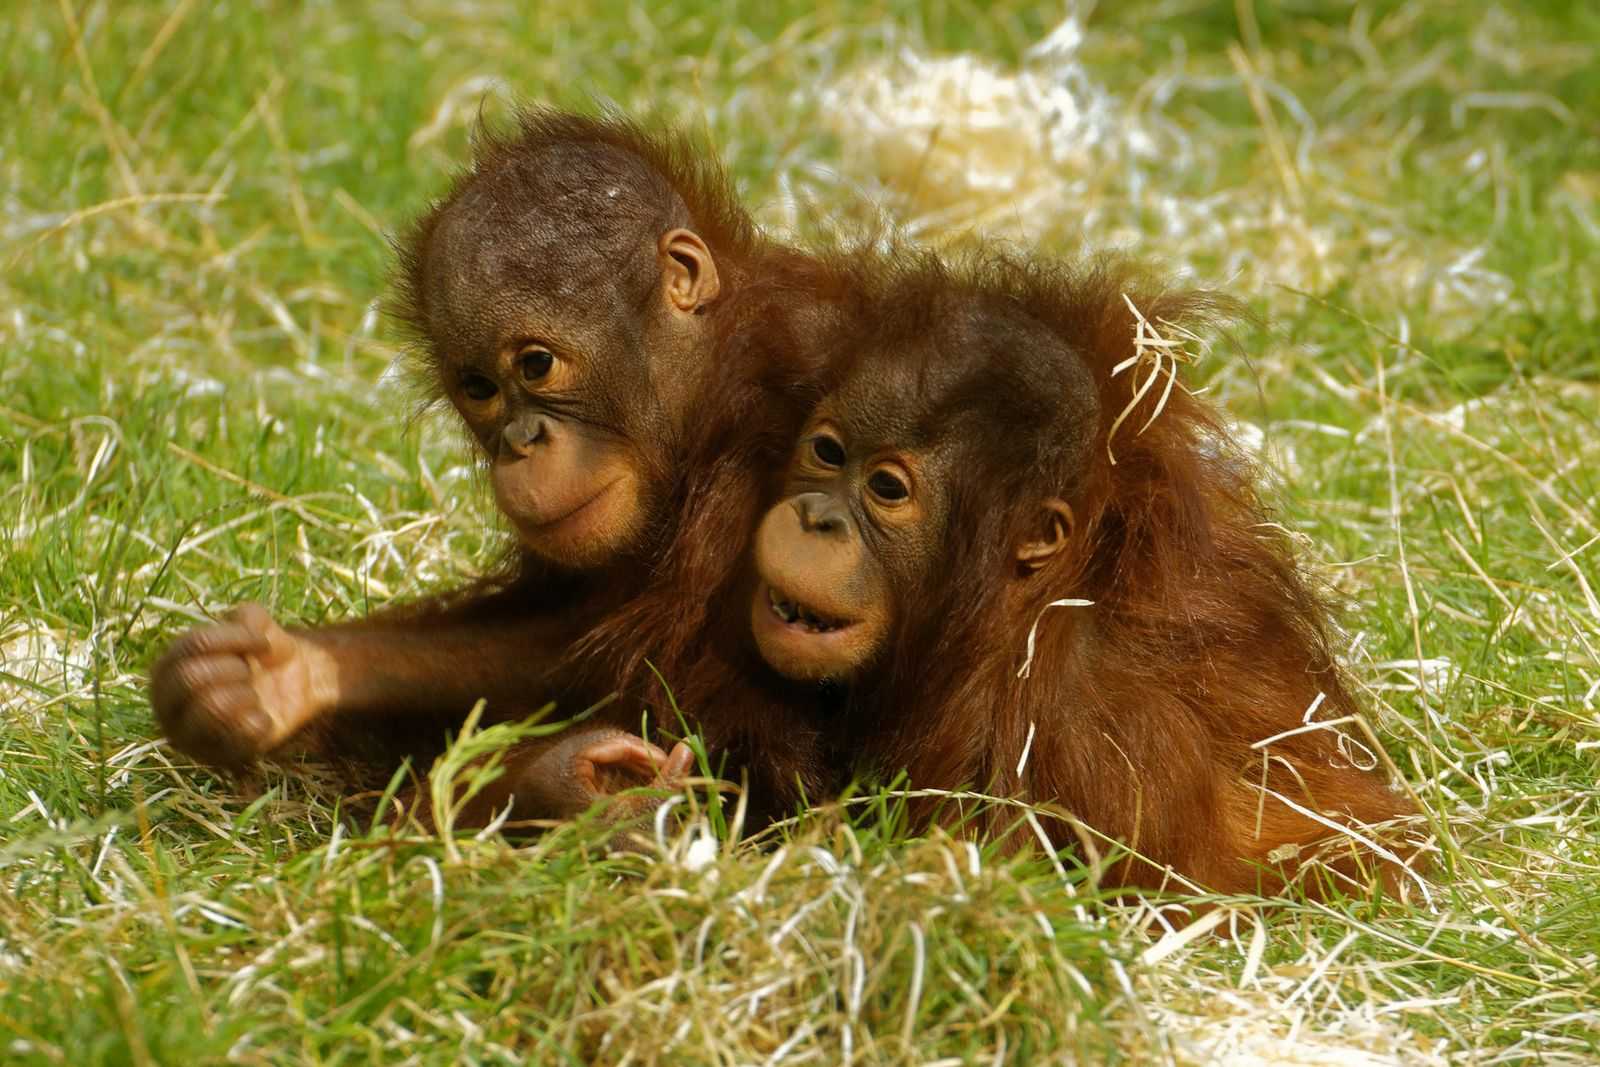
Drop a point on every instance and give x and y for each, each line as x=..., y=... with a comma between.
x=793, y=613
x=805, y=644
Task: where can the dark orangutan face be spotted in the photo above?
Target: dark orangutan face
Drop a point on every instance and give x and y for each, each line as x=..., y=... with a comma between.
x=572, y=372
x=870, y=503
x=857, y=518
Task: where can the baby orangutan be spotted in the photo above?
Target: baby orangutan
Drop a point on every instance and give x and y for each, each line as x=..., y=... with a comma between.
x=1023, y=601
x=629, y=358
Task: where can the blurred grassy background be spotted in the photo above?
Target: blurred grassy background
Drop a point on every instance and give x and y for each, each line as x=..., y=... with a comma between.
x=193, y=411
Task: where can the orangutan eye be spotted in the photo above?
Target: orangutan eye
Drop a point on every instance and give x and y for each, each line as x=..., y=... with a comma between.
x=829, y=452
x=534, y=364
x=478, y=387
x=888, y=487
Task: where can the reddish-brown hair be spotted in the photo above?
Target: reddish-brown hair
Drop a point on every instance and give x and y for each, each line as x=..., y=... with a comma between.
x=1139, y=714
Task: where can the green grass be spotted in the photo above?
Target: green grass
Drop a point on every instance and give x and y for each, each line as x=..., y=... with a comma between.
x=193, y=198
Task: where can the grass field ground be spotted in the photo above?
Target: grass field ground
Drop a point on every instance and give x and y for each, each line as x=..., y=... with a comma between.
x=193, y=412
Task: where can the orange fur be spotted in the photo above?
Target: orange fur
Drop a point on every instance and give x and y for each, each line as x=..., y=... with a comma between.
x=1204, y=636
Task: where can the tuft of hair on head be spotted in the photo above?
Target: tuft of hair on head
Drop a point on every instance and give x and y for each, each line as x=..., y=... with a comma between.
x=1058, y=378
x=605, y=182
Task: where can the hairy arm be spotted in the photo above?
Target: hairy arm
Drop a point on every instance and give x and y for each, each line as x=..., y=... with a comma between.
x=231, y=691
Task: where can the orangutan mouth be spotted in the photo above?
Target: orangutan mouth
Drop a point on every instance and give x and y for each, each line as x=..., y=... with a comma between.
x=794, y=613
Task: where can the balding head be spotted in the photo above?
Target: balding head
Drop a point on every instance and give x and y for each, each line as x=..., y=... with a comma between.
x=556, y=297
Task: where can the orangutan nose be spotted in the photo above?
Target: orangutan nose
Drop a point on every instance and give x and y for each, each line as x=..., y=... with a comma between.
x=821, y=514
x=523, y=433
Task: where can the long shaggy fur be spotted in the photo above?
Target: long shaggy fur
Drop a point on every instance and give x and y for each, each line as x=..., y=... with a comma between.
x=1204, y=636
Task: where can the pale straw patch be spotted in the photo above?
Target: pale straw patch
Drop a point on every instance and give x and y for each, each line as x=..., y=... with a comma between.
x=37, y=663
x=1043, y=151
x=962, y=143
x=1158, y=356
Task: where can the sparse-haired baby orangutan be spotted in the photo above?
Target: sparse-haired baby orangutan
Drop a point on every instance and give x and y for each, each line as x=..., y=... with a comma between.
x=1043, y=571
x=631, y=359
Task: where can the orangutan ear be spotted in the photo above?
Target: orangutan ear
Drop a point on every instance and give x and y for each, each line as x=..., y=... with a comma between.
x=688, y=270
x=1055, y=527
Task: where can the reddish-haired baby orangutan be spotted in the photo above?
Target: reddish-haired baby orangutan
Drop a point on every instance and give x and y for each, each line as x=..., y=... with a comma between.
x=1024, y=602
x=631, y=360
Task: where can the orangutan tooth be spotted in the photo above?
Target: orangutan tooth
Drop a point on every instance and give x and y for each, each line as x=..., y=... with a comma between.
x=783, y=609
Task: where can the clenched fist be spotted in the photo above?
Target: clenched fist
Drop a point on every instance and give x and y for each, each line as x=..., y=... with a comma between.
x=235, y=690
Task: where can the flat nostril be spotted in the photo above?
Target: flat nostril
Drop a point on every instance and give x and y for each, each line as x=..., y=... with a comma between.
x=819, y=515
x=807, y=509
x=522, y=434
